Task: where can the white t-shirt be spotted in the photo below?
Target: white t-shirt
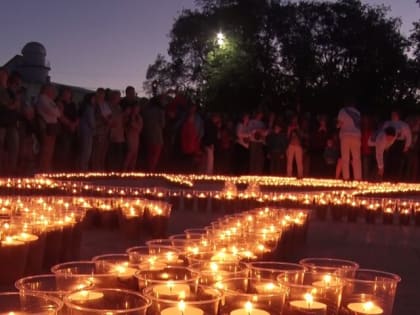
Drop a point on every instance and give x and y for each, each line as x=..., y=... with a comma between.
x=402, y=129
x=349, y=119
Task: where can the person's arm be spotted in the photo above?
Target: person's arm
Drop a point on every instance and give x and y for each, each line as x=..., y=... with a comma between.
x=380, y=149
x=407, y=137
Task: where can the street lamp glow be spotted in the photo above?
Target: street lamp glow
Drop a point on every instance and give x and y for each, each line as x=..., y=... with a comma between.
x=220, y=39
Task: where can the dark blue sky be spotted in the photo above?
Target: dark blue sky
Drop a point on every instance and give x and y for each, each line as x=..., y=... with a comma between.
x=108, y=43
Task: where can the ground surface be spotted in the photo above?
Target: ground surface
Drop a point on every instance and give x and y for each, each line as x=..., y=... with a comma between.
x=390, y=248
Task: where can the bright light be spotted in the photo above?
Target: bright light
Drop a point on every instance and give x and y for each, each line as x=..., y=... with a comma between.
x=221, y=39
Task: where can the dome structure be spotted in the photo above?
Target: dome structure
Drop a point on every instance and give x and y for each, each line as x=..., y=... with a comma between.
x=34, y=67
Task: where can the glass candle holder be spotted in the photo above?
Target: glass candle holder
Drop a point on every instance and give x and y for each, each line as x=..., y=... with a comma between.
x=369, y=292
x=212, y=272
x=271, y=270
x=242, y=298
x=139, y=254
x=315, y=293
x=345, y=268
x=220, y=256
x=119, y=266
x=106, y=301
x=155, y=245
x=28, y=303
x=51, y=285
x=170, y=281
x=88, y=271
x=203, y=301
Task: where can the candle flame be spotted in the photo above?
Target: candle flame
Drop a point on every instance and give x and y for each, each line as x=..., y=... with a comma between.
x=181, y=306
x=248, y=307
x=327, y=279
x=309, y=299
x=368, y=306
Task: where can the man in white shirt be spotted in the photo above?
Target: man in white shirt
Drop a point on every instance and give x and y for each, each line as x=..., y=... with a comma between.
x=382, y=143
x=49, y=114
x=397, y=153
x=350, y=138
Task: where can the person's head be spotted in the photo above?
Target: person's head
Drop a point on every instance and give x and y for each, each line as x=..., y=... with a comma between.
x=130, y=93
x=15, y=81
x=114, y=97
x=395, y=115
x=277, y=128
x=390, y=134
x=65, y=95
x=100, y=96
x=48, y=90
x=4, y=76
x=245, y=118
x=330, y=143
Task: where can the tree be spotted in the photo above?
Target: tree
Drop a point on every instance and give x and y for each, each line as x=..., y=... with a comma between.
x=279, y=52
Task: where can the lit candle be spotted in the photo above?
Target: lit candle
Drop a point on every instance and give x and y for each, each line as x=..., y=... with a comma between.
x=308, y=306
x=249, y=310
x=10, y=241
x=267, y=288
x=172, y=289
x=124, y=272
x=82, y=296
x=367, y=308
x=326, y=282
x=224, y=257
x=26, y=237
x=152, y=264
x=182, y=309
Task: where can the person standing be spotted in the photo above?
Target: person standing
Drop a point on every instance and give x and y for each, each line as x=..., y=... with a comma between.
x=5, y=103
x=66, y=138
x=350, y=139
x=49, y=115
x=294, y=149
x=115, y=155
x=397, y=155
x=13, y=116
x=154, y=124
x=101, y=138
x=209, y=142
x=87, y=130
x=277, y=145
x=256, y=145
x=241, y=150
x=383, y=142
x=133, y=129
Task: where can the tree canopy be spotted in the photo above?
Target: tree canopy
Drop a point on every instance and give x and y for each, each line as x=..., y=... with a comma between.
x=277, y=53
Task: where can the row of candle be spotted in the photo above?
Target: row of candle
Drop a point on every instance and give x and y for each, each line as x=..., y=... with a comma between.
x=216, y=270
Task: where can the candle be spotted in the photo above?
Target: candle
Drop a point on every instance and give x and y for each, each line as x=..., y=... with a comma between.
x=249, y=310
x=124, y=272
x=152, y=264
x=326, y=282
x=367, y=308
x=182, y=309
x=224, y=257
x=308, y=306
x=267, y=288
x=82, y=296
x=172, y=289
x=26, y=237
x=9, y=241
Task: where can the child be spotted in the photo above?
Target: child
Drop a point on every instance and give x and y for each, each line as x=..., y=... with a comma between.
x=331, y=156
x=277, y=145
x=134, y=127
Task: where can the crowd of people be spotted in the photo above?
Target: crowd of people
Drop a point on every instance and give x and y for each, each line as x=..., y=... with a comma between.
x=107, y=132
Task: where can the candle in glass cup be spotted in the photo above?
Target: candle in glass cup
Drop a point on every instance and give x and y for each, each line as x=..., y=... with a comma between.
x=366, y=308
x=84, y=296
x=307, y=306
x=182, y=309
x=249, y=310
x=172, y=289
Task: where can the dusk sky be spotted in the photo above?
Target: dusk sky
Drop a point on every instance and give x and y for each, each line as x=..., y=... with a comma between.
x=108, y=43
